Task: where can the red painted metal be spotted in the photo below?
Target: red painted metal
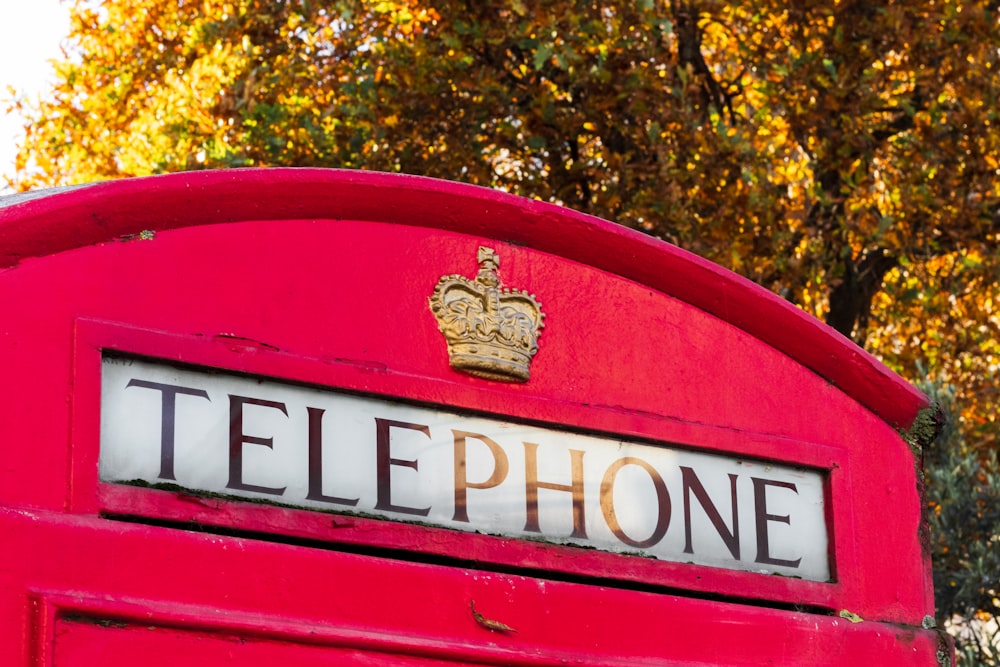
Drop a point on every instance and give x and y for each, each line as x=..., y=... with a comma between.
x=322, y=277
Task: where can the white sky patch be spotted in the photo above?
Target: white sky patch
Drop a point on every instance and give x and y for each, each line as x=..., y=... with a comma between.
x=30, y=35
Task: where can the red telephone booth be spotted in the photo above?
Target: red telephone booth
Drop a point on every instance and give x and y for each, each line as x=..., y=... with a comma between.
x=336, y=418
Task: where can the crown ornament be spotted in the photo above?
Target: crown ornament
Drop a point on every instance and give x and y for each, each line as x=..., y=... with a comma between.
x=492, y=332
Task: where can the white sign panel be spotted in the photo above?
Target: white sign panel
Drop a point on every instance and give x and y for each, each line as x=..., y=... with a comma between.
x=318, y=449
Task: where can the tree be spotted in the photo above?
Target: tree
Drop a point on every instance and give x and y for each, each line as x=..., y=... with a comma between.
x=843, y=154
x=963, y=503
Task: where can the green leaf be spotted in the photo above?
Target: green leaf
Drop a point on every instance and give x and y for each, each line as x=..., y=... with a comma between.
x=830, y=68
x=542, y=55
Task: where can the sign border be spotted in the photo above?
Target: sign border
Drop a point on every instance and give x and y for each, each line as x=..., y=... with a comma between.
x=231, y=354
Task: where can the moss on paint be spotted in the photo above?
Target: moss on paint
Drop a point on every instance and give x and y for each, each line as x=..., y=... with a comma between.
x=924, y=430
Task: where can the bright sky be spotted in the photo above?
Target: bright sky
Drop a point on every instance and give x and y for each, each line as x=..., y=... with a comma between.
x=30, y=33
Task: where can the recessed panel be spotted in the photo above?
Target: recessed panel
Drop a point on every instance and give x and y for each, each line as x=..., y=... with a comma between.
x=87, y=642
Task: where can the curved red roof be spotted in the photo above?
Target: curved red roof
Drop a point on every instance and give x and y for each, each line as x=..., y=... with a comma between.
x=47, y=222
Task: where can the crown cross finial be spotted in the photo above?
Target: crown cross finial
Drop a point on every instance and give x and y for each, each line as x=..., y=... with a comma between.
x=488, y=265
x=492, y=332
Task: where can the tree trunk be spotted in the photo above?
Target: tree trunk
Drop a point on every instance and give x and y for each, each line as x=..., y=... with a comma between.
x=851, y=300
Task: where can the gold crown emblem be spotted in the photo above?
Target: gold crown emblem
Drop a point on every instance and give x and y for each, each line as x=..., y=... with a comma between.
x=492, y=332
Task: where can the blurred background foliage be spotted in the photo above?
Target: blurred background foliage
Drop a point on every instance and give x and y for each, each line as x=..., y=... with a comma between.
x=844, y=154
x=963, y=503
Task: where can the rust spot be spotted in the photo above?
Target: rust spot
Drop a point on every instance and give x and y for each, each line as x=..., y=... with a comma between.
x=489, y=623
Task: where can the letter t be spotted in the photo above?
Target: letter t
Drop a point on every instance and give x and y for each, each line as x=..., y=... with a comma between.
x=168, y=411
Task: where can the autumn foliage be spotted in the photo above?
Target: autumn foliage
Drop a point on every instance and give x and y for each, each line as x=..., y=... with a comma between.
x=844, y=154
